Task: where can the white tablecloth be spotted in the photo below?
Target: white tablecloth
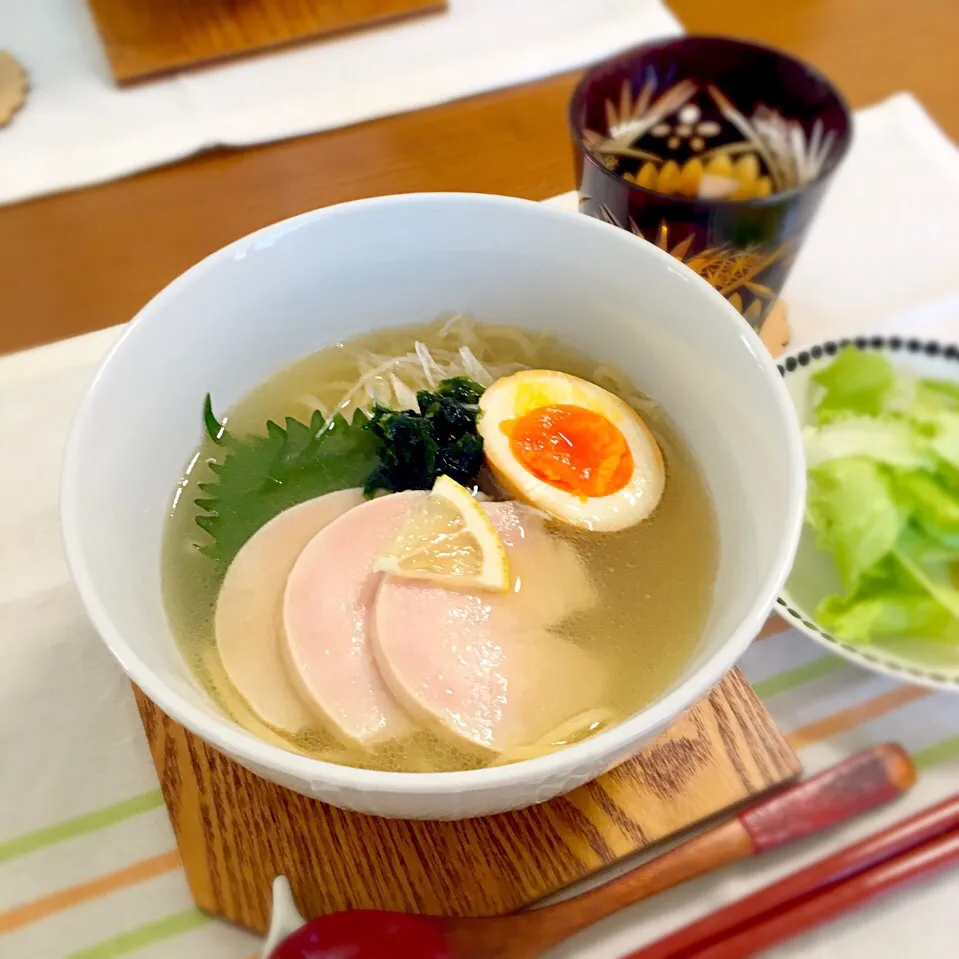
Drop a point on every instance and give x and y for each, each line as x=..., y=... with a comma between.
x=79, y=128
x=87, y=862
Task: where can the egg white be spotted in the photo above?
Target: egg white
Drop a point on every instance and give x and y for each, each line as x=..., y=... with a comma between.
x=512, y=396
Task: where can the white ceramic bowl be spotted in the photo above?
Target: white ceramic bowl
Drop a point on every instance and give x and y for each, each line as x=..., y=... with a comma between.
x=288, y=289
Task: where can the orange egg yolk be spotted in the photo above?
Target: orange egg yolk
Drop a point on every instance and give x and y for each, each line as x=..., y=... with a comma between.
x=571, y=448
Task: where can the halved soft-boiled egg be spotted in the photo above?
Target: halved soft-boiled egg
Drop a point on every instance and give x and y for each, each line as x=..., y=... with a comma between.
x=572, y=449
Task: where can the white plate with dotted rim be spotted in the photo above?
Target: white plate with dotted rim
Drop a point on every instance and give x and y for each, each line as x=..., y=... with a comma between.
x=924, y=662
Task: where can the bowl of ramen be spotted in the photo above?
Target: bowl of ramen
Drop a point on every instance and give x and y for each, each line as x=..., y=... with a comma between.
x=432, y=506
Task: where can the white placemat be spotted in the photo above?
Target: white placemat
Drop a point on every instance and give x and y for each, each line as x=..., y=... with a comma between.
x=88, y=868
x=79, y=128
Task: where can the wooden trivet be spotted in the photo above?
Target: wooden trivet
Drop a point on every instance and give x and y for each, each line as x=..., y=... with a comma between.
x=144, y=38
x=236, y=832
x=13, y=87
x=776, y=331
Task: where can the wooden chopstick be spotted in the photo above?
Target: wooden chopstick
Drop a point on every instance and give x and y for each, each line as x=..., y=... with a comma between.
x=838, y=898
x=939, y=822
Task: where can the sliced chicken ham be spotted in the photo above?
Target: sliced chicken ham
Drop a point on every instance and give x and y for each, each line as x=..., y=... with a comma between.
x=248, y=615
x=550, y=582
x=326, y=611
x=484, y=668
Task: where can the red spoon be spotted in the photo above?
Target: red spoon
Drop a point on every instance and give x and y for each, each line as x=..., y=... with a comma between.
x=368, y=934
x=855, y=785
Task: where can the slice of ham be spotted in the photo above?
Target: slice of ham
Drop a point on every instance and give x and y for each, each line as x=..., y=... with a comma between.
x=326, y=611
x=485, y=668
x=247, y=620
x=550, y=582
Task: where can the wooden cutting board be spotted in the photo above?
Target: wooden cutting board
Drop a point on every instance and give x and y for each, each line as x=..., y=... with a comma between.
x=144, y=38
x=236, y=831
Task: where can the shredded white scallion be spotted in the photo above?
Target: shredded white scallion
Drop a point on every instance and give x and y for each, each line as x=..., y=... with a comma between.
x=430, y=369
x=394, y=380
x=461, y=348
x=474, y=369
x=405, y=396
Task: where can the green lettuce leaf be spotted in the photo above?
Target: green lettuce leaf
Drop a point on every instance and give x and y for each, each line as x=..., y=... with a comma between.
x=932, y=505
x=856, y=382
x=892, y=600
x=889, y=615
x=941, y=434
x=931, y=398
x=851, y=505
x=883, y=497
x=934, y=576
x=893, y=441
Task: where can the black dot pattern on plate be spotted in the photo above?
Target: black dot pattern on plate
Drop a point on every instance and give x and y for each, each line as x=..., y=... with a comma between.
x=830, y=348
x=929, y=675
x=891, y=344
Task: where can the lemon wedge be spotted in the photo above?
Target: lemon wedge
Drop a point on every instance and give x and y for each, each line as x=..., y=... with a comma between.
x=449, y=539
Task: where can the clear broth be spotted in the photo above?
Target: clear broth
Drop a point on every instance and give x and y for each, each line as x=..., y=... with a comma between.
x=654, y=581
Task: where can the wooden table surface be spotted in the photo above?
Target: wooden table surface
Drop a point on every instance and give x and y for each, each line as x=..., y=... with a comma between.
x=85, y=260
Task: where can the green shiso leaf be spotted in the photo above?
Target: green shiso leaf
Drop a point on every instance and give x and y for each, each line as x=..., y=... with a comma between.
x=260, y=476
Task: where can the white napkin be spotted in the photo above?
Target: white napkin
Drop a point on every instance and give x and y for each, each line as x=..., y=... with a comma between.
x=883, y=254
x=78, y=128
x=86, y=865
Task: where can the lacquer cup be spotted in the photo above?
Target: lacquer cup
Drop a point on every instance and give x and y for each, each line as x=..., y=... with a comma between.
x=716, y=150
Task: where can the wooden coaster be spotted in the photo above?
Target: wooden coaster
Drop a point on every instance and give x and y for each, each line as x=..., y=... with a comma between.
x=776, y=331
x=236, y=832
x=144, y=38
x=13, y=87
